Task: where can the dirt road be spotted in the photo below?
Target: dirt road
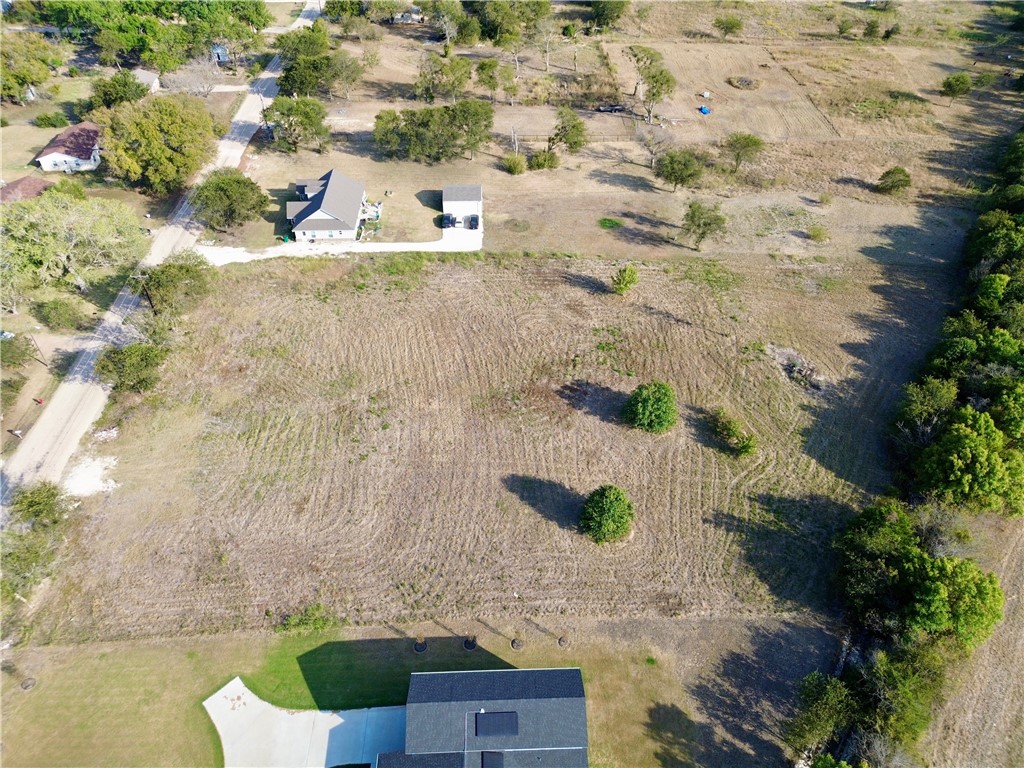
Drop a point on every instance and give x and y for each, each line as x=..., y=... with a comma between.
x=45, y=451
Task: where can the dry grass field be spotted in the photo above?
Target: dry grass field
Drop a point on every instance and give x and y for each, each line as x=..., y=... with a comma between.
x=410, y=440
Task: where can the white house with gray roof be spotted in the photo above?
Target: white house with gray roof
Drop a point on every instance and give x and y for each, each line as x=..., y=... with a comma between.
x=508, y=718
x=328, y=208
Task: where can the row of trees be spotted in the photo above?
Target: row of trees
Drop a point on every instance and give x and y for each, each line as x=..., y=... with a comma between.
x=162, y=35
x=901, y=571
x=311, y=68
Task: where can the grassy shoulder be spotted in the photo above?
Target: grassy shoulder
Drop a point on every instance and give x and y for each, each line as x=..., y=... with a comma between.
x=116, y=700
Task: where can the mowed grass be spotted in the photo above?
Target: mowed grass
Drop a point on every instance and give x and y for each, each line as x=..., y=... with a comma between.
x=140, y=703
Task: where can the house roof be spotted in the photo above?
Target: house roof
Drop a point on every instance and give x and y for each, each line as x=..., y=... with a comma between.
x=331, y=202
x=145, y=77
x=521, y=712
x=77, y=141
x=493, y=685
x=463, y=193
x=24, y=188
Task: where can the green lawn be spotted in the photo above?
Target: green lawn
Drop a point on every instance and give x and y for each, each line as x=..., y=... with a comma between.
x=140, y=702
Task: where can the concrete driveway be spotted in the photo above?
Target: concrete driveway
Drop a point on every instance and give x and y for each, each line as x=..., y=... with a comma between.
x=256, y=734
x=454, y=240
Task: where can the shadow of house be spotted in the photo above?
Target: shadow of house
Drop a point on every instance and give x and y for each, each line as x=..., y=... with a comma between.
x=748, y=697
x=555, y=501
x=594, y=399
x=786, y=543
x=355, y=674
x=430, y=198
x=279, y=199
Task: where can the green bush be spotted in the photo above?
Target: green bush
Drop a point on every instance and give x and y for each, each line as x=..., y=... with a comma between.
x=314, y=618
x=872, y=30
x=893, y=180
x=131, y=369
x=41, y=504
x=4, y=122
x=15, y=352
x=826, y=707
x=609, y=223
x=543, y=160
x=607, y=514
x=74, y=71
x=625, y=279
x=818, y=234
x=10, y=387
x=61, y=315
x=729, y=431
x=179, y=283
x=651, y=407
x=51, y=120
x=513, y=164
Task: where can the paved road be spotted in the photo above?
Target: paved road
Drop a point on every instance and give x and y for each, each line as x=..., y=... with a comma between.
x=44, y=452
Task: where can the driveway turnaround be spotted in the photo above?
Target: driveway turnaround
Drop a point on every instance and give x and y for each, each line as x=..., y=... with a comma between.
x=256, y=734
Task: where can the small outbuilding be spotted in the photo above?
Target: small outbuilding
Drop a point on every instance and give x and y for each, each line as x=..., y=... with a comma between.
x=149, y=79
x=328, y=208
x=74, y=149
x=219, y=53
x=462, y=200
x=24, y=188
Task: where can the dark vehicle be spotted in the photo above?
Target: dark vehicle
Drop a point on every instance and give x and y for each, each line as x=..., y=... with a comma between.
x=610, y=108
x=474, y=222
x=447, y=220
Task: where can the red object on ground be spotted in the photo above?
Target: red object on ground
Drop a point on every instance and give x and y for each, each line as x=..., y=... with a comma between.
x=38, y=400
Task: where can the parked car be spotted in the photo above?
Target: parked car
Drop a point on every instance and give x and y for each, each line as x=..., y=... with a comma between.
x=474, y=222
x=447, y=220
x=610, y=108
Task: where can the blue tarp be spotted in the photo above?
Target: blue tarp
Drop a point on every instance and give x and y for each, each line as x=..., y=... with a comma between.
x=704, y=110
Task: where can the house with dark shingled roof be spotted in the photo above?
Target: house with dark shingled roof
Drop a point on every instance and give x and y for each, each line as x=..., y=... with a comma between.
x=25, y=188
x=328, y=208
x=509, y=718
x=74, y=149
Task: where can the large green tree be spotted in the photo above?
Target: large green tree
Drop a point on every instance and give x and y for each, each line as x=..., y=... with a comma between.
x=442, y=77
x=121, y=87
x=570, y=132
x=956, y=85
x=178, y=283
x=703, y=221
x=56, y=238
x=26, y=59
x=296, y=122
x=678, y=166
x=434, y=134
x=306, y=41
x=227, y=197
x=608, y=12
x=132, y=368
x=654, y=82
x=969, y=462
x=743, y=147
x=826, y=706
x=157, y=143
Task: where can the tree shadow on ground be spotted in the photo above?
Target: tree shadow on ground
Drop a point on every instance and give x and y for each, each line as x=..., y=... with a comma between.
x=851, y=418
x=663, y=314
x=750, y=694
x=594, y=399
x=785, y=542
x=628, y=181
x=701, y=422
x=553, y=500
x=643, y=230
x=684, y=743
x=851, y=181
x=588, y=283
x=354, y=674
x=431, y=198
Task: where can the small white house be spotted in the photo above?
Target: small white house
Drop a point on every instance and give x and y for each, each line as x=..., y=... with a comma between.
x=149, y=79
x=328, y=208
x=463, y=200
x=75, y=149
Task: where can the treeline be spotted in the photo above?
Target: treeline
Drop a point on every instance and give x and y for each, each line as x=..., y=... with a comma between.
x=158, y=33
x=434, y=134
x=918, y=605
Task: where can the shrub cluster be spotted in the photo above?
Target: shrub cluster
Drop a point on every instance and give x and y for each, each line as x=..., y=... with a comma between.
x=51, y=120
x=28, y=548
x=729, y=431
